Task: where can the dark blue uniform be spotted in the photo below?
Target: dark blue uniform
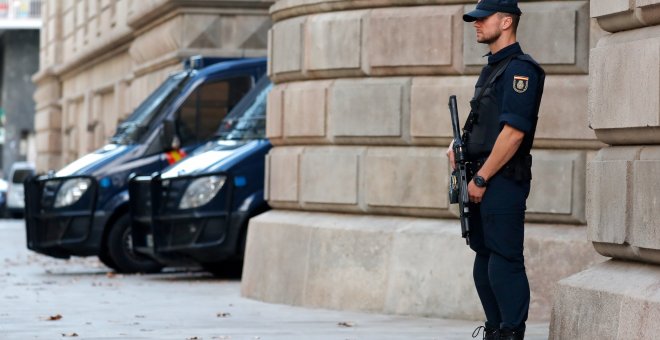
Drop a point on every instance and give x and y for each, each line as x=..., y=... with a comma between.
x=511, y=98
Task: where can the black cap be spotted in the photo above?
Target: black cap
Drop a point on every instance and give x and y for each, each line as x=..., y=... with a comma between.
x=489, y=7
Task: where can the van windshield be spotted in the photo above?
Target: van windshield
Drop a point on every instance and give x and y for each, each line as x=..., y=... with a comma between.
x=131, y=129
x=247, y=121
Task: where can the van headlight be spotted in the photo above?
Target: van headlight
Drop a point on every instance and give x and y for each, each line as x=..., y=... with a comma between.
x=201, y=191
x=71, y=191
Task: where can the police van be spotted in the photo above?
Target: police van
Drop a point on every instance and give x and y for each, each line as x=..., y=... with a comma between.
x=82, y=209
x=197, y=210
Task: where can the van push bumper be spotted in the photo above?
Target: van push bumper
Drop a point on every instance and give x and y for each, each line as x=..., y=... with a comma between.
x=62, y=229
x=161, y=228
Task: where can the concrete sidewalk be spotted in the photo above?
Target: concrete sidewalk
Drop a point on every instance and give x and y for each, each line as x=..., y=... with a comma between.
x=96, y=304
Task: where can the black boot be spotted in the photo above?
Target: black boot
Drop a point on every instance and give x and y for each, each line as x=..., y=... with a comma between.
x=488, y=333
x=507, y=334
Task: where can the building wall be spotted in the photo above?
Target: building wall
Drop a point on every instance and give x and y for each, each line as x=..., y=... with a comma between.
x=100, y=59
x=619, y=299
x=20, y=61
x=358, y=177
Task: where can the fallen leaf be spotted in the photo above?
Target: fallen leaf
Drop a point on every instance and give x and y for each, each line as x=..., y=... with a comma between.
x=70, y=335
x=223, y=315
x=54, y=317
x=194, y=338
x=110, y=274
x=345, y=324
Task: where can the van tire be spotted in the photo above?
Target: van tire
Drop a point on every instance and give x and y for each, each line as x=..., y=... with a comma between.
x=104, y=257
x=120, y=250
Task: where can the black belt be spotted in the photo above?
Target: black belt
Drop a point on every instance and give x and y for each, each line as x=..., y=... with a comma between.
x=518, y=168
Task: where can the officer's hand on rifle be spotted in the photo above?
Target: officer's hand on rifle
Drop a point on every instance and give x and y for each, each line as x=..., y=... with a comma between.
x=450, y=155
x=475, y=193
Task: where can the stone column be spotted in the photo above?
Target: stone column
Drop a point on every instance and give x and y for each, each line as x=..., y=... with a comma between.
x=620, y=299
x=358, y=177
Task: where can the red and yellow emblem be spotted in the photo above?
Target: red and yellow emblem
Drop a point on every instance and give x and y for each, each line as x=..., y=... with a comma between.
x=520, y=83
x=175, y=156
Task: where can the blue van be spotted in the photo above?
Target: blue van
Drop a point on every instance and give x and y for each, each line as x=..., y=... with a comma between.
x=197, y=211
x=82, y=209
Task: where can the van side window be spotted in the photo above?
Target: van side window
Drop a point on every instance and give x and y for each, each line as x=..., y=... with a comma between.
x=201, y=113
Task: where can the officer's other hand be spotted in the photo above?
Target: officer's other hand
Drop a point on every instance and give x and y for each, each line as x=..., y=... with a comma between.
x=450, y=155
x=475, y=193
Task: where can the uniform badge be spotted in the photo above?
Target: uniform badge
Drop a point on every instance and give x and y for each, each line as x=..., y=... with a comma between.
x=520, y=83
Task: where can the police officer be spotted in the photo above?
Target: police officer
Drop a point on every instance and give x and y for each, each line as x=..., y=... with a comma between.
x=499, y=133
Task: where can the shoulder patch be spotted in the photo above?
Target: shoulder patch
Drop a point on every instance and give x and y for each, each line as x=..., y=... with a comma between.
x=520, y=83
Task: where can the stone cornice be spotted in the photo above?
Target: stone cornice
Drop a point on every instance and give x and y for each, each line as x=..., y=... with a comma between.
x=143, y=17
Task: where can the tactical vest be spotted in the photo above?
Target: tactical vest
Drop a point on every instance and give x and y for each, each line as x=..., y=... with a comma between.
x=483, y=124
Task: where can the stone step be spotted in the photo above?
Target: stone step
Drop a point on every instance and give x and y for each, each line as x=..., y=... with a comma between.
x=394, y=265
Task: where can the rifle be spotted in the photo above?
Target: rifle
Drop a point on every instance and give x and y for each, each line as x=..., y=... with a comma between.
x=458, y=180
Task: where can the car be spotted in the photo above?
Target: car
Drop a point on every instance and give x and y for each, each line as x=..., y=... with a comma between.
x=20, y=171
x=197, y=211
x=82, y=209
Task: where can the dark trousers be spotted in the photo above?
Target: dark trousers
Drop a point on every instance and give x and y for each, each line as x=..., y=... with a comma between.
x=497, y=234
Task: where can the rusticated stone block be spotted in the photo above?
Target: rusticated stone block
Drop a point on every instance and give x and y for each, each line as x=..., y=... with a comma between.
x=282, y=175
x=429, y=113
x=624, y=105
x=287, y=48
x=48, y=119
x=623, y=203
x=286, y=284
x=330, y=175
x=49, y=141
x=608, y=195
x=646, y=200
x=338, y=282
x=609, y=7
x=333, y=41
x=564, y=23
x=621, y=15
x=423, y=280
x=613, y=300
x=413, y=36
x=305, y=109
x=562, y=116
x=368, y=107
x=274, y=112
x=564, y=109
x=407, y=177
x=558, y=186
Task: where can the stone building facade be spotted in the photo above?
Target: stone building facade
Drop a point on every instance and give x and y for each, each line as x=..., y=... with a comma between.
x=620, y=299
x=100, y=58
x=358, y=175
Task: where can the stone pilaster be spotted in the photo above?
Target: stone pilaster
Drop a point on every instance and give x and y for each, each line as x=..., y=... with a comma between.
x=359, y=174
x=619, y=299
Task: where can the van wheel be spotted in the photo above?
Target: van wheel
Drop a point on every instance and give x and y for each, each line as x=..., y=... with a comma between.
x=104, y=257
x=120, y=250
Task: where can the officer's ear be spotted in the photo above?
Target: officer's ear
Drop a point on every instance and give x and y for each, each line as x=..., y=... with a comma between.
x=506, y=21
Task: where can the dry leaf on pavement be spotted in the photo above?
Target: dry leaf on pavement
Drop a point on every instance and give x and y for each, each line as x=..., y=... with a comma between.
x=70, y=335
x=345, y=324
x=223, y=315
x=54, y=317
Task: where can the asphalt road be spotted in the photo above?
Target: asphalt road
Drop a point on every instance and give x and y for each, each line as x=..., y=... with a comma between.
x=46, y=298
